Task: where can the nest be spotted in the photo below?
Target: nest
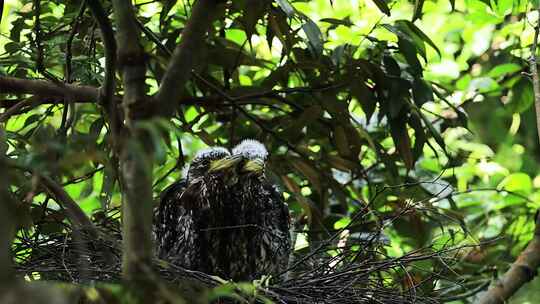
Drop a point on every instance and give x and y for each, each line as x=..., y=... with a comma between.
x=335, y=271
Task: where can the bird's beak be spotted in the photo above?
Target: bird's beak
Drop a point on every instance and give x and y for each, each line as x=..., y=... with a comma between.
x=255, y=166
x=228, y=162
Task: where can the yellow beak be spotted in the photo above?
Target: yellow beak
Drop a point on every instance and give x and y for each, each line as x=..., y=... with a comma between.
x=254, y=166
x=224, y=163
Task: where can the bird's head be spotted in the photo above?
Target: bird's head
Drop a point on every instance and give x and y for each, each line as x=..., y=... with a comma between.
x=253, y=155
x=208, y=160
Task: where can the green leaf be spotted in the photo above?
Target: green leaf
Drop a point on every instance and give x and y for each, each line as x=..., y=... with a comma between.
x=422, y=92
x=345, y=21
x=420, y=34
x=314, y=35
x=12, y=47
x=436, y=135
x=420, y=137
x=410, y=52
x=418, y=4
x=287, y=8
x=504, y=69
x=381, y=4
x=516, y=182
x=95, y=128
x=167, y=5
x=521, y=96
x=365, y=97
x=342, y=223
x=400, y=135
x=31, y=119
x=391, y=66
x=87, y=190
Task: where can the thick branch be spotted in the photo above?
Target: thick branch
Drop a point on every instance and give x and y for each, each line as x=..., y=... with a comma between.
x=185, y=55
x=136, y=166
x=77, y=93
x=523, y=270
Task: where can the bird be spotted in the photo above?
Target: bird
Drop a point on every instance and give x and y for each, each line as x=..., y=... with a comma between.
x=226, y=217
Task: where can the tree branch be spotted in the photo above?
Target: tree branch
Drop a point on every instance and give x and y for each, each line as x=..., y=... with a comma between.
x=106, y=94
x=68, y=77
x=185, y=55
x=75, y=214
x=109, y=43
x=15, y=108
x=78, y=93
x=523, y=270
x=135, y=164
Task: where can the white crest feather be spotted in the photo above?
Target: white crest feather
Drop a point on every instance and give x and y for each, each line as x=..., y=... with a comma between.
x=250, y=148
x=211, y=152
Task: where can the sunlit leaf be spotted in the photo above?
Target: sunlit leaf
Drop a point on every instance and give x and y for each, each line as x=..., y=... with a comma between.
x=516, y=182
x=503, y=69
x=381, y=4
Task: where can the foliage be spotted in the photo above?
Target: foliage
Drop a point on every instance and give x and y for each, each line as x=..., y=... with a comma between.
x=360, y=103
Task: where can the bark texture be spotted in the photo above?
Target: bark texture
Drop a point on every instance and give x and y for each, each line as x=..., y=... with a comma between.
x=135, y=166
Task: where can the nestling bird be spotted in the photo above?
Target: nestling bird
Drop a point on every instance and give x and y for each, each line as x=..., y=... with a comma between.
x=225, y=218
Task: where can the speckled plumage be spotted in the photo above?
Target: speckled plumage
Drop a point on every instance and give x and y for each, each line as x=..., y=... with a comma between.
x=237, y=228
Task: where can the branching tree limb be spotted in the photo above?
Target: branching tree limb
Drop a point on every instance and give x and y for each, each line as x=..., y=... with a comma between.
x=525, y=268
x=184, y=56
